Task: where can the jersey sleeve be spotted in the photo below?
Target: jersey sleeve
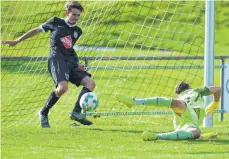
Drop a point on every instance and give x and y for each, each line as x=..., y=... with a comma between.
x=80, y=32
x=203, y=91
x=48, y=25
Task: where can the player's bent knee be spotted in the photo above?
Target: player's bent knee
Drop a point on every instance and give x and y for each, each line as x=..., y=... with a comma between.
x=178, y=106
x=195, y=132
x=62, y=88
x=93, y=83
x=178, y=103
x=89, y=83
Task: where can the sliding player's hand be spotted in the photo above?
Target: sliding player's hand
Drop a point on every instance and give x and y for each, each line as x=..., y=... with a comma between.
x=211, y=107
x=10, y=42
x=81, y=67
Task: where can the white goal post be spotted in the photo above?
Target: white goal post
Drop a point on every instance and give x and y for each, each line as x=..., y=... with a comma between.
x=209, y=54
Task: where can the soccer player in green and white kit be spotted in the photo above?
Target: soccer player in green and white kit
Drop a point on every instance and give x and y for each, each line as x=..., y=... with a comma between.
x=188, y=110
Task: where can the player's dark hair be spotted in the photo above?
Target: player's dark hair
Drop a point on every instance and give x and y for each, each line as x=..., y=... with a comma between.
x=182, y=86
x=73, y=4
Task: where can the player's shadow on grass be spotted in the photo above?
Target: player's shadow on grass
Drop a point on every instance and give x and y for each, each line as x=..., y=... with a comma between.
x=117, y=130
x=213, y=140
x=208, y=153
x=218, y=141
x=120, y=130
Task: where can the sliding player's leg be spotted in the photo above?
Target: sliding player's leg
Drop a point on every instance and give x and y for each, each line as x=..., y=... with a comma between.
x=186, y=132
x=59, y=74
x=128, y=100
x=189, y=120
x=80, y=77
x=154, y=101
x=177, y=105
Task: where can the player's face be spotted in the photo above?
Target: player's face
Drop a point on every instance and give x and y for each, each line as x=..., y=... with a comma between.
x=73, y=15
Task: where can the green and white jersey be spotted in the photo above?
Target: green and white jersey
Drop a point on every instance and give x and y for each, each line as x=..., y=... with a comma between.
x=192, y=98
x=194, y=112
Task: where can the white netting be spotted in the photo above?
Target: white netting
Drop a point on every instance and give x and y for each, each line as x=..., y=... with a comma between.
x=110, y=29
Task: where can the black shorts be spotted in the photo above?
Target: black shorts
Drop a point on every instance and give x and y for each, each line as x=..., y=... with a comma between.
x=63, y=70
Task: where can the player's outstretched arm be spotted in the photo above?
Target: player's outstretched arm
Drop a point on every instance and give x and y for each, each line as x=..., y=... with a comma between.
x=216, y=92
x=29, y=34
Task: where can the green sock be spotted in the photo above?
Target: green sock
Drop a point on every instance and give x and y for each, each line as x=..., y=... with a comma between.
x=176, y=135
x=155, y=101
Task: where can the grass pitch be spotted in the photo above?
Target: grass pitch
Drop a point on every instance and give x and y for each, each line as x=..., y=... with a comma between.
x=26, y=86
x=108, y=141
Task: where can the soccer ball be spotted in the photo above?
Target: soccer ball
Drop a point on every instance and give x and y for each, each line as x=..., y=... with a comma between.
x=89, y=102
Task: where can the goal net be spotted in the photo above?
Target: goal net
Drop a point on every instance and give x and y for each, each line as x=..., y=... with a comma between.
x=138, y=48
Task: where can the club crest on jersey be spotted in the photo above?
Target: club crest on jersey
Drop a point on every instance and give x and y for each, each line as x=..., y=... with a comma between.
x=67, y=76
x=67, y=41
x=75, y=34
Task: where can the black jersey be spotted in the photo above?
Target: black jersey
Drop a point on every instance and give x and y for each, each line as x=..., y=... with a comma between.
x=63, y=38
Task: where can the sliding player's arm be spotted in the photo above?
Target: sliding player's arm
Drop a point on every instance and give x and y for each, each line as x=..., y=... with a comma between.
x=27, y=35
x=206, y=91
x=216, y=92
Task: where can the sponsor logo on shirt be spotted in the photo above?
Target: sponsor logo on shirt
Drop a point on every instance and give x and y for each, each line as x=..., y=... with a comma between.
x=67, y=41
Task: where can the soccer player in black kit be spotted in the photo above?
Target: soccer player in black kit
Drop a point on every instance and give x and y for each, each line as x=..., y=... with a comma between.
x=63, y=64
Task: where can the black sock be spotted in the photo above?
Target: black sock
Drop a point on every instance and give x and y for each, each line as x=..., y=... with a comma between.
x=49, y=104
x=77, y=107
